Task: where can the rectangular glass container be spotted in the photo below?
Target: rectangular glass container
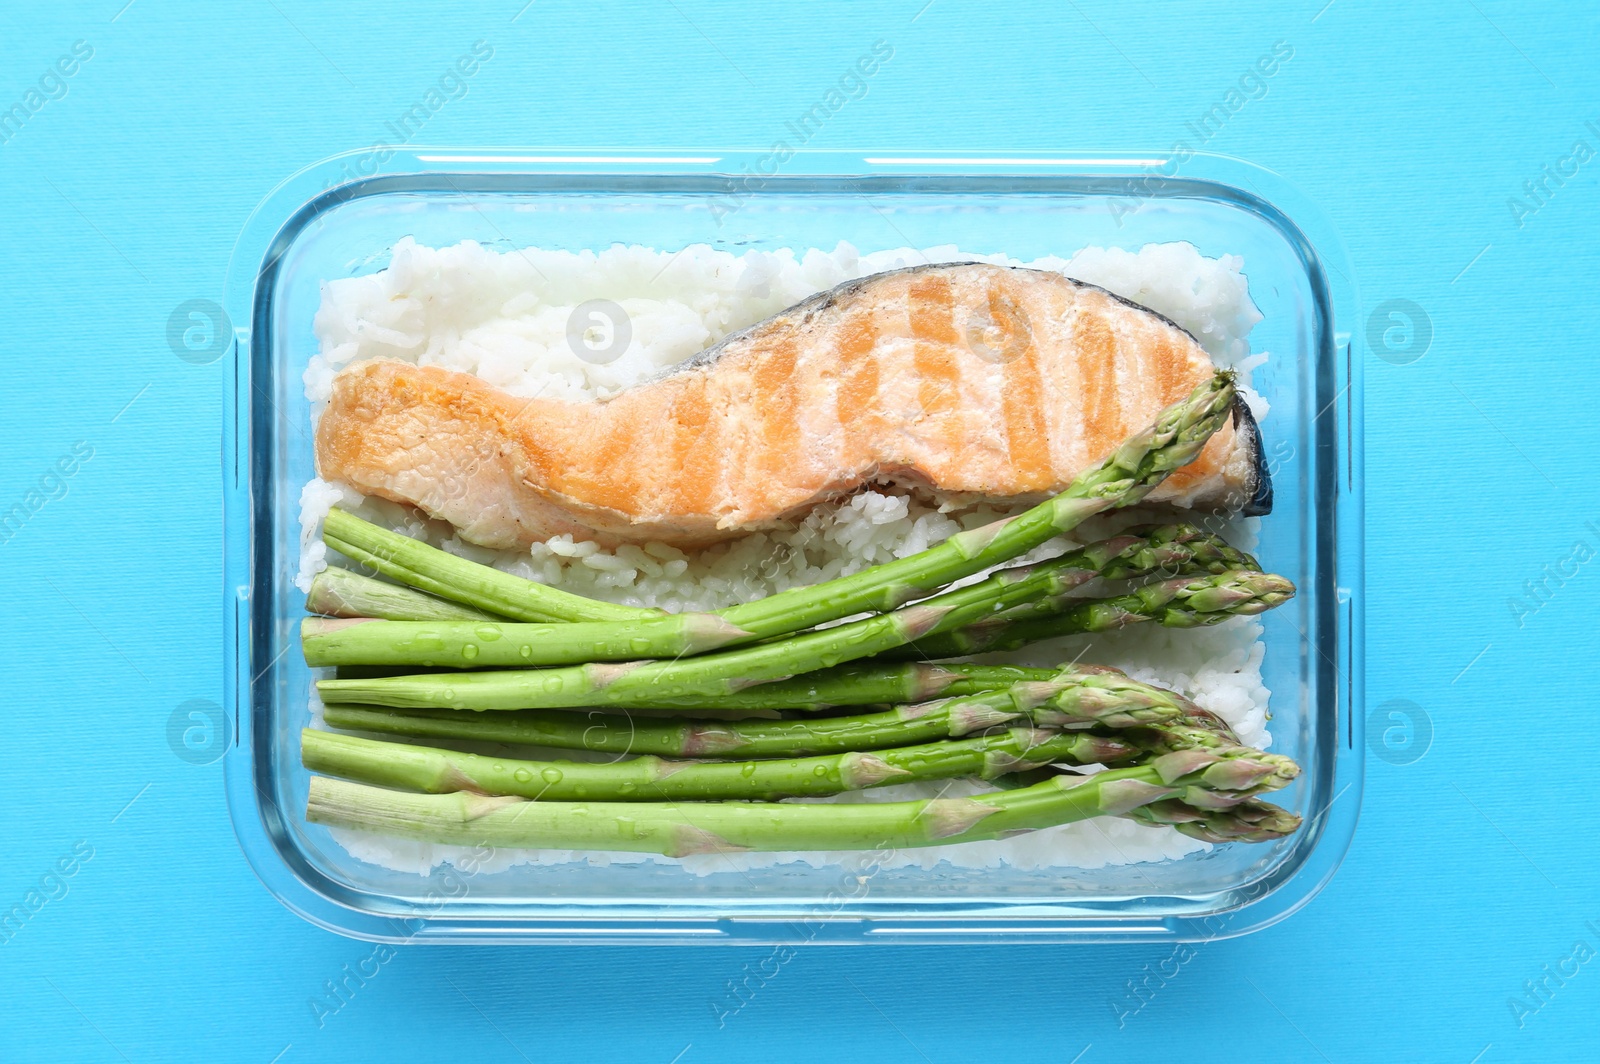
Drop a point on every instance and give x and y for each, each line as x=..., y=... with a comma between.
x=330, y=221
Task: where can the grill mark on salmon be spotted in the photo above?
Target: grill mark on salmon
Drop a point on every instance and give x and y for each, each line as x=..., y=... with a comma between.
x=606, y=477
x=691, y=448
x=965, y=380
x=932, y=327
x=1097, y=373
x=858, y=387
x=1027, y=439
x=774, y=380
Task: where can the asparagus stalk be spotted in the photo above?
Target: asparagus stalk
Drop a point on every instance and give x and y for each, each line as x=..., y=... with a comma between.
x=1225, y=775
x=1190, y=714
x=859, y=684
x=711, y=675
x=337, y=592
x=447, y=576
x=1251, y=820
x=476, y=644
x=1171, y=549
x=626, y=734
x=865, y=683
x=1223, y=778
x=856, y=684
x=438, y=771
x=1166, y=554
x=1184, y=733
x=1183, y=602
x=723, y=674
x=1071, y=698
x=682, y=738
x=1248, y=820
x=681, y=829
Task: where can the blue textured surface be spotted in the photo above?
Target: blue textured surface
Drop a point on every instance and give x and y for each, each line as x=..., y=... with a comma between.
x=1413, y=126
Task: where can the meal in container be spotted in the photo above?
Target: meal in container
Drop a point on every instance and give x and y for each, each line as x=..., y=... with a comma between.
x=842, y=552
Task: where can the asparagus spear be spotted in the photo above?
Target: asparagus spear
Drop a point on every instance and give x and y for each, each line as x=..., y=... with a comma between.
x=713, y=675
x=648, y=777
x=1173, y=549
x=1251, y=820
x=447, y=576
x=1070, y=698
x=859, y=684
x=1166, y=554
x=473, y=644
x=683, y=828
x=856, y=684
x=1223, y=778
x=626, y=734
x=866, y=683
x=1183, y=602
x=470, y=644
x=337, y=592
x=1248, y=820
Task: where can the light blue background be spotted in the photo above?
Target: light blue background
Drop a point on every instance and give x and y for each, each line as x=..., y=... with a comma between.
x=1474, y=867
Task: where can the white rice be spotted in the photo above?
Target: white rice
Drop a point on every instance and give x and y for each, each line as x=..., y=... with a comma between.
x=503, y=316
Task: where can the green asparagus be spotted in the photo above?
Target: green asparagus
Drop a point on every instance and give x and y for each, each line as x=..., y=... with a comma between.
x=724, y=673
x=1183, y=602
x=337, y=592
x=679, y=738
x=426, y=640
x=863, y=684
x=447, y=576
x=1247, y=820
x=1066, y=698
x=477, y=644
x=856, y=684
x=1251, y=820
x=1167, y=551
x=711, y=674
x=684, y=828
x=648, y=777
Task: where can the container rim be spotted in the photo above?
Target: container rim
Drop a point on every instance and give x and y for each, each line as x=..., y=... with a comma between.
x=1130, y=176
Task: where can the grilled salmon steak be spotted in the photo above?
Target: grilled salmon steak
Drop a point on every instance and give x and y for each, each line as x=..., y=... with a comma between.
x=968, y=381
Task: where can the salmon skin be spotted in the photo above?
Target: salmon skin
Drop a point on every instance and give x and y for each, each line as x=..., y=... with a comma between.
x=966, y=381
